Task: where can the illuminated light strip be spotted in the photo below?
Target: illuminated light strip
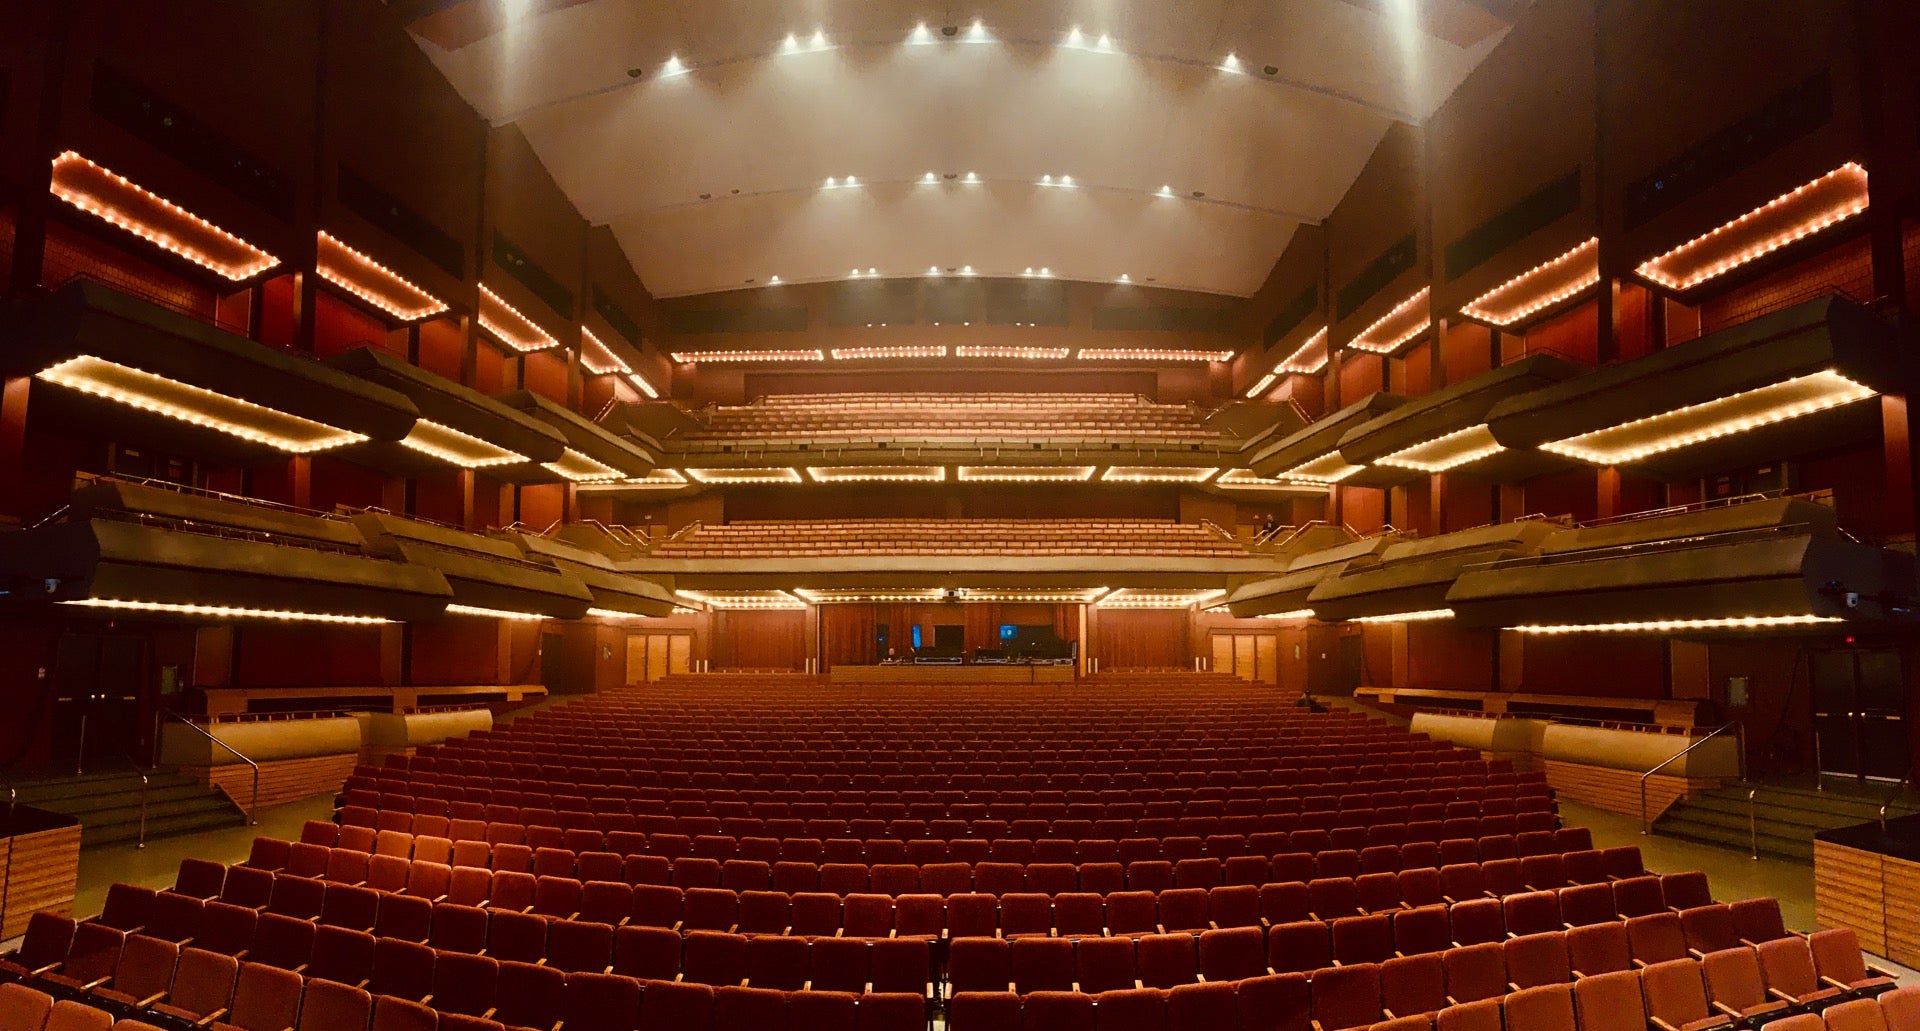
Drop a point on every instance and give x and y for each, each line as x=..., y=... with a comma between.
x=861, y=353
x=1265, y=381
x=1309, y=358
x=1710, y=420
x=197, y=406
x=659, y=479
x=1422, y=616
x=1412, y=310
x=1540, y=287
x=1833, y=198
x=1152, y=354
x=766, y=600
x=1028, y=353
x=614, y=614
x=641, y=381
x=118, y=201
x=598, y=358
x=878, y=474
x=845, y=596
x=1445, y=452
x=1244, y=479
x=1327, y=469
x=761, y=475
x=530, y=338
x=1026, y=473
x=716, y=357
x=456, y=448
x=1153, y=474
x=1131, y=599
x=1294, y=614
x=579, y=468
x=475, y=610
x=373, y=282
x=226, y=612
x=1669, y=625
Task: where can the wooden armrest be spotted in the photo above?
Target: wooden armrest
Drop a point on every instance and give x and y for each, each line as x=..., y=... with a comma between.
x=99, y=983
x=1200, y=978
x=1726, y=1009
x=1661, y=1024
x=1783, y=996
x=1833, y=983
x=1877, y=972
x=147, y=1003
x=1696, y=954
x=1639, y=964
x=207, y=1021
x=1451, y=1001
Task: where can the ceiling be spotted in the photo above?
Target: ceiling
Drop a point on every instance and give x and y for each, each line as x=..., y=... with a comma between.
x=704, y=137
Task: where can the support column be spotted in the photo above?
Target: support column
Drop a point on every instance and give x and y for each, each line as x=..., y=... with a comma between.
x=1903, y=479
x=1608, y=483
x=13, y=446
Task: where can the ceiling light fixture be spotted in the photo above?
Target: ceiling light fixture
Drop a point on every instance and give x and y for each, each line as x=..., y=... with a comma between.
x=580, y=469
x=977, y=32
x=1260, y=387
x=1026, y=473
x=1231, y=64
x=1244, y=479
x=750, y=600
x=1833, y=198
x=761, y=475
x=920, y=36
x=773, y=280
x=1458, y=448
x=1326, y=470
x=1540, y=287
x=1310, y=358
x=614, y=614
x=658, y=479
x=478, y=612
x=790, y=45
x=673, y=67
x=197, y=406
x=1671, y=625
x=456, y=448
x=225, y=611
x=878, y=474
x=1164, y=191
x=1292, y=614
x=511, y=328
x=373, y=282
x=718, y=357
x=864, y=353
x=118, y=201
x=597, y=357
x=1152, y=354
x=1025, y=353
x=1422, y=616
x=1396, y=328
x=1155, y=474
x=1132, y=598
x=1710, y=420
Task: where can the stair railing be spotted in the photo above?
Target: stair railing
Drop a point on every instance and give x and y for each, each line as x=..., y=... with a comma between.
x=1646, y=824
x=144, y=783
x=1753, y=827
x=1888, y=802
x=253, y=806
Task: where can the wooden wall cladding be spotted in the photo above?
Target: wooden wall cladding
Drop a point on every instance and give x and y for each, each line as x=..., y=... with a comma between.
x=1876, y=896
x=287, y=780
x=38, y=873
x=1618, y=791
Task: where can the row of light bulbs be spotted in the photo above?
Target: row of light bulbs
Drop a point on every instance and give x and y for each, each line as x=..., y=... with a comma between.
x=1094, y=354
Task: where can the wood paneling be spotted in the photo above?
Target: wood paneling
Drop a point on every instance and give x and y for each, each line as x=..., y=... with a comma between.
x=285, y=780
x=1850, y=890
x=1618, y=791
x=41, y=870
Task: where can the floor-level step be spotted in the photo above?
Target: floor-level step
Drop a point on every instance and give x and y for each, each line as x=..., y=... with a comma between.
x=108, y=805
x=1780, y=820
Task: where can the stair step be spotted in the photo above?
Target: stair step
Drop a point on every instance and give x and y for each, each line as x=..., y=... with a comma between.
x=52, y=795
x=158, y=810
x=84, y=807
x=1738, y=822
x=1769, y=845
x=123, y=832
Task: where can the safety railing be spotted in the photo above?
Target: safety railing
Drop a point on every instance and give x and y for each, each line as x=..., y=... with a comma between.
x=1887, y=803
x=145, y=783
x=1753, y=824
x=253, y=805
x=1646, y=824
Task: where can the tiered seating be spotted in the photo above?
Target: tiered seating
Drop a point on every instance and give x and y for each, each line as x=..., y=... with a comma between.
x=1155, y=851
x=848, y=418
x=791, y=539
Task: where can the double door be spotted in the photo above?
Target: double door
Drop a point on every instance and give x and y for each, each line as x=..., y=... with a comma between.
x=96, y=700
x=652, y=656
x=1253, y=657
x=1859, y=714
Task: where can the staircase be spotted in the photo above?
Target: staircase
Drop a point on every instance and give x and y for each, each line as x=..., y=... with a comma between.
x=108, y=805
x=1785, y=817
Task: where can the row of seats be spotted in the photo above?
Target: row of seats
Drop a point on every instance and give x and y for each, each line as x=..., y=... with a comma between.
x=25, y=1009
x=1549, y=860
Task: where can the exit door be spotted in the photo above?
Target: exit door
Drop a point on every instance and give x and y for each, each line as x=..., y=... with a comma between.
x=1253, y=657
x=652, y=656
x=1859, y=708
x=96, y=699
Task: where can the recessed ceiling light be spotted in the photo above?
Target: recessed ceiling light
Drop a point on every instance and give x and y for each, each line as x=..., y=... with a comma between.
x=673, y=66
x=1124, y=278
x=872, y=272
x=790, y=44
x=851, y=181
x=972, y=177
x=1046, y=272
x=773, y=279
x=1231, y=64
x=929, y=178
x=1074, y=38
x=933, y=270
x=920, y=34
x=1106, y=42
x=832, y=182
x=1166, y=191
x=966, y=270
x=977, y=30
x=819, y=40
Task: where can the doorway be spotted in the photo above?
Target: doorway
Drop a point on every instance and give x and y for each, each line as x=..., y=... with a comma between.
x=653, y=656
x=1859, y=714
x=96, y=700
x=1254, y=657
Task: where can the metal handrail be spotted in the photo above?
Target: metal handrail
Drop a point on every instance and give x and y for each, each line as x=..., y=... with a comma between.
x=1888, y=802
x=144, y=784
x=1646, y=825
x=253, y=806
x=1753, y=826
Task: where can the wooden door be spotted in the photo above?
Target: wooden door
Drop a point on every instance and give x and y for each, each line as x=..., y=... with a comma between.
x=656, y=656
x=1223, y=653
x=1267, y=658
x=1245, y=661
x=636, y=658
x=679, y=653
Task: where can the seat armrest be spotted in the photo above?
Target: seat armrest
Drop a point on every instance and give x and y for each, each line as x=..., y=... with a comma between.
x=1661, y=1024
x=1834, y=983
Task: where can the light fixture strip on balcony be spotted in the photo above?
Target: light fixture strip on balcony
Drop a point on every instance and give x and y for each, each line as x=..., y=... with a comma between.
x=658, y=479
x=1023, y=353
x=1026, y=473
x=1130, y=598
x=1421, y=616
x=1667, y=626
x=581, y=469
x=1152, y=354
x=599, y=359
x=507, y=325
x=456, y=448
x=845, y=354
x=485, y=613
x=1711, y=420
x=1156, y=474
x=1293, y=614
x=1309, y=358
x=1833, y=198
x=1540, y=287
x=118, y=201
x=723, y=357
x=759, y=475
x=1446, y=452
x=197, y=406
x=1329, y=468
x=1397, y=328
x=373, y=282
x=878, y=474
x=1244, y=479
x=225, y=612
